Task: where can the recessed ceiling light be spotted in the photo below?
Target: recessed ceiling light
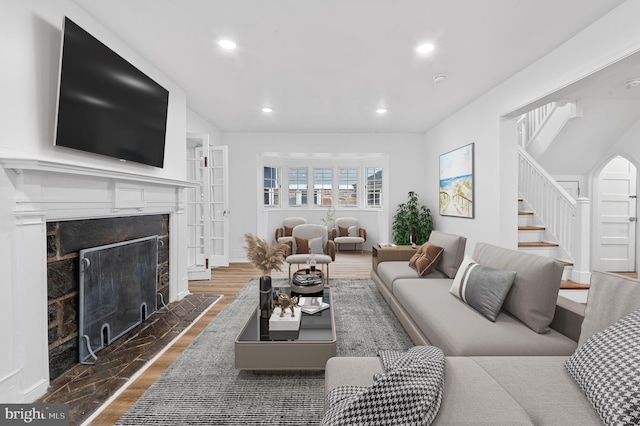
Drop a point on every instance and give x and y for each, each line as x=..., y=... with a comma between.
x=425, y=48
x=267, y=109
x=381, y=110
x=439, y=78
x=227, y=44
x=634, y=82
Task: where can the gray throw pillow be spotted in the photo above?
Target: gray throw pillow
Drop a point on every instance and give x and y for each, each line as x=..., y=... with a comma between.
x=606, y=369
x=316, y=246
x=482, y=287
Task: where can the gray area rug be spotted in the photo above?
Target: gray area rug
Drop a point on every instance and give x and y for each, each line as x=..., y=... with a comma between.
x=202, y=387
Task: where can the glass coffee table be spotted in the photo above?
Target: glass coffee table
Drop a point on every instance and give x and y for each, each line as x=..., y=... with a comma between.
x=309, y=348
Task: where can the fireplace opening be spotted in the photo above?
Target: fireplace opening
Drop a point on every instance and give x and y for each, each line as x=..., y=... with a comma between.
x=65, y=239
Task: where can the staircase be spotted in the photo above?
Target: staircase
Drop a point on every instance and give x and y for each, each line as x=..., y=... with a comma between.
x=534, y=238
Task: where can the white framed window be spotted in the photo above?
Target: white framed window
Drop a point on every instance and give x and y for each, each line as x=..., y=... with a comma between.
x=319, y=181
x=322, y=186
x=348, y=186
x=373, y=186
x=297, y=184
x=271, y=186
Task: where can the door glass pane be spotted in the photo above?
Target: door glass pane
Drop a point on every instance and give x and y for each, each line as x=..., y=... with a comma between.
x=195, y=205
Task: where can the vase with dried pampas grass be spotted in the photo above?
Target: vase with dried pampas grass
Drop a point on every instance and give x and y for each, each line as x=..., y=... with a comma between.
x=266, y=257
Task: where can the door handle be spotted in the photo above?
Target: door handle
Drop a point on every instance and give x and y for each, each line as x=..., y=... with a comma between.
x=633, y=219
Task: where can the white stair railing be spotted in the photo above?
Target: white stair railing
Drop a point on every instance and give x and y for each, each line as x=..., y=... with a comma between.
x=551, y=203
x=531, y=122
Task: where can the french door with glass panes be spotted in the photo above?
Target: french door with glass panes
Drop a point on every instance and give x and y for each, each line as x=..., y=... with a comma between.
x=207, y=211
x=218, y=206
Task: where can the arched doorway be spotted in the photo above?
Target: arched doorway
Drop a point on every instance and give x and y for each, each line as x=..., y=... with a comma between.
x=615, y=218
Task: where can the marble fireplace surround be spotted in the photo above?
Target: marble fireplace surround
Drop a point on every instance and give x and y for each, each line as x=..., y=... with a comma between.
x=48, y=191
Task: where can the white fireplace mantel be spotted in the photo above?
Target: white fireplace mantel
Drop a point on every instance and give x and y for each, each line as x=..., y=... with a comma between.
x=22, y=165
x=46, y=191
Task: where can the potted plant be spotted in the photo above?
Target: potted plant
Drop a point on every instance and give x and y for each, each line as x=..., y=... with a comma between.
x=412, y=223
x=265, y=257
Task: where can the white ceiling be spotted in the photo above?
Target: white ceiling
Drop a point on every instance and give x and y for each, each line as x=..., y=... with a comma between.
x=327, y=65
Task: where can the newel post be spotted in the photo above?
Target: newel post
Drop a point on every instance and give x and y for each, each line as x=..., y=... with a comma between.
x=581, y=242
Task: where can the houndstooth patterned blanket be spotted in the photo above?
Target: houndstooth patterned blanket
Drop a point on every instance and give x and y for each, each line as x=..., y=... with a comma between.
x=409, y=393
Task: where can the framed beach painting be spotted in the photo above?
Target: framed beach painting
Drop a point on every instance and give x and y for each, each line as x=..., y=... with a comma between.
x=456, y=182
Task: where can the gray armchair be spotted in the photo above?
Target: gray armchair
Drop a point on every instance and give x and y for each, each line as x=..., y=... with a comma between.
x=284, y=233
x=347, y=231
x=310, y=238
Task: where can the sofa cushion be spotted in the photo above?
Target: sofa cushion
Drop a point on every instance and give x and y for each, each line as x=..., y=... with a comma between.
x=482, y=287
x=459, y=330
x=533, y=295
x=302, y=246
x=391, y=271
x=316, y=245
x=542, y=387
x=426, y=258
x=469, y=392
x=344, y=231
x=611, y=297
x=288, y=231
x=409, y=392
x=454, y=246
x=606, y=368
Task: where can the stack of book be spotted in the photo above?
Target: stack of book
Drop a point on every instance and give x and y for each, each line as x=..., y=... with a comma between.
x=311, y=305
x=307, y=279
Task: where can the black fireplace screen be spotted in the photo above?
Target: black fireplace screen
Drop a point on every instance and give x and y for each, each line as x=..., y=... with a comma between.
x=118, y=287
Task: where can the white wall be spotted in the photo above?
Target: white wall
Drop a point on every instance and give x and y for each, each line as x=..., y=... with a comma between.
x=629, y=144
x=30, y=46
x=614, y=36
x=406, y=155
x=197, y=124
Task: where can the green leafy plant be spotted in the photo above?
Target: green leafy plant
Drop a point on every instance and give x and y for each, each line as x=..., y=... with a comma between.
x=328, y=217
x=412, y=218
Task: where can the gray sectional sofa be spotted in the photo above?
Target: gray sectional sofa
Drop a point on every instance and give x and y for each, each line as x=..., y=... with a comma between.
x=525, y=326
x=505, y=373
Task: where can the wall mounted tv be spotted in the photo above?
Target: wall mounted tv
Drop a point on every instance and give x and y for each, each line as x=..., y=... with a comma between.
x=106, y=105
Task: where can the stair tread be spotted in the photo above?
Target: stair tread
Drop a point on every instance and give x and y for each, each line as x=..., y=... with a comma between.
x=524, y=213
x=531, y=228
x=537, y=244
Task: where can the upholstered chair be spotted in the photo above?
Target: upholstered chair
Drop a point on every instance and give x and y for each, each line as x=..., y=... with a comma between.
x=348, y=231
x=307, y=239
x=284, y=233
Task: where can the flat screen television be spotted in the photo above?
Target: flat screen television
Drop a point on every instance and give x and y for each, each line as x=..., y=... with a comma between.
x=105, y=104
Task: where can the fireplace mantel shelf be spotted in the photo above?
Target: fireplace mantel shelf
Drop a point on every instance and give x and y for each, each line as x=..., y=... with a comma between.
x=19, y=165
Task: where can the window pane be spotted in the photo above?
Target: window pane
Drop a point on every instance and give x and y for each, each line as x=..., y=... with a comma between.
x=271, y=188
x=322, y=186
x=298, y=186
x=348, y=184
x=374, y=186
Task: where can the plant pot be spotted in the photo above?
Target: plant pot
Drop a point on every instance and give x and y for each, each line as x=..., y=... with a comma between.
x=266, y=298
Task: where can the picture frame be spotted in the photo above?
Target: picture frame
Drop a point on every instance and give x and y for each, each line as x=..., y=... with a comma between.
x=456, y=183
